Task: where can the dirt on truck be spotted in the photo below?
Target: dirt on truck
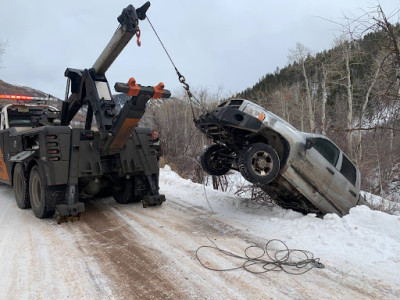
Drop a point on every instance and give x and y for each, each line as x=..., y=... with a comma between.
x=54, y=167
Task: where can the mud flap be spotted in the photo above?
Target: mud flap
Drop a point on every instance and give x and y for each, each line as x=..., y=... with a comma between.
x=72, y=208
x=153, y=200
x=156, y=198
x=69, y=212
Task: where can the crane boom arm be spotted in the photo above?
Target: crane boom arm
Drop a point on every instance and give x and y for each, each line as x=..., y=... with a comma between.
x=90, y=87
x=129, y=21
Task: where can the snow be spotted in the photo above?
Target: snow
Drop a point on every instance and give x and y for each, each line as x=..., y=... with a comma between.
x=40, y=259
x=37, y=255
x=363, y=242
x=391, y=203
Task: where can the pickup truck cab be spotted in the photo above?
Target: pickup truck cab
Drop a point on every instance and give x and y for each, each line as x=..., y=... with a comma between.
x=302, y=171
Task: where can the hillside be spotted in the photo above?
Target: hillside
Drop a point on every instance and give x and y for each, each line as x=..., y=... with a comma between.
x=323, y=78
x=10, y=89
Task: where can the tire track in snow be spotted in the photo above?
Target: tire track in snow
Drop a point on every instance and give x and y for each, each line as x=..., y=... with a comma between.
x=38, y=258
x=133, y=272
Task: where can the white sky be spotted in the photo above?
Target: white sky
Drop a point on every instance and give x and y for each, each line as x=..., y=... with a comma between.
x=214, y=43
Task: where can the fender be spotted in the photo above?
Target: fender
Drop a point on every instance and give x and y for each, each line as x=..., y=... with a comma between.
x=3, y=169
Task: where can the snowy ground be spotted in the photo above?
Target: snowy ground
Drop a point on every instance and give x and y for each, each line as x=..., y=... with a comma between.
x=390, y=204
x=127, y=252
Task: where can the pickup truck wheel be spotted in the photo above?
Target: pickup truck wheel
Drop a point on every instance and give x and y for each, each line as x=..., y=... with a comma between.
x=213, y=160
x=259, y=163
x=42, y=204
x=125, y=193
x=21, y=188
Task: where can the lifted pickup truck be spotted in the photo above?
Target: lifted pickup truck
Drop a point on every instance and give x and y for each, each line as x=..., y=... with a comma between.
x=302, y=171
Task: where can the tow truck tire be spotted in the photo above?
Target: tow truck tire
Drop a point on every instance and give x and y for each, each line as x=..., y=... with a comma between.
x=126, y=192
x=259, y=164
x=41, y=203
x=211, y=163
x=21, y=187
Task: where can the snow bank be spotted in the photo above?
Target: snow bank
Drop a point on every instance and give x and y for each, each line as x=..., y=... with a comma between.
x=383, y=204
x=364, y=242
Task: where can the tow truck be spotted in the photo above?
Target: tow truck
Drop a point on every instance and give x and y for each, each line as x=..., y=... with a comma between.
x=54, y=167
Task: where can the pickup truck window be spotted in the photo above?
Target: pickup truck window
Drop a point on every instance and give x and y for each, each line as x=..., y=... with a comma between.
x=327, y=149
x=348, y=170
x=20, y=122
x=19, y=116
x=235, y=103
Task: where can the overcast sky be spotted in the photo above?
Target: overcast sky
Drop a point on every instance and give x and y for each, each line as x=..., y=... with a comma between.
x=214, y=43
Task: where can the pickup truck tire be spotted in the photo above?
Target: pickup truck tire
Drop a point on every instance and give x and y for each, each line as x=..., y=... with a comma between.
x=259, y=163
x=211, y=163
x=126, y=192
x=21, y=188
x=42, y=204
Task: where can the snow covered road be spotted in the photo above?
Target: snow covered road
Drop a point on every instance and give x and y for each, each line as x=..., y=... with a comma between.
x=127, y=252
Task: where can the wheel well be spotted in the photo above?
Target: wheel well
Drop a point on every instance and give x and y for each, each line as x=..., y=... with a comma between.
x=12, y=173
x=275, y=140
x=29, y=167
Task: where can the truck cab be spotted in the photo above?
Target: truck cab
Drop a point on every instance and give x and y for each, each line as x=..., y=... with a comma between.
x=22, y=116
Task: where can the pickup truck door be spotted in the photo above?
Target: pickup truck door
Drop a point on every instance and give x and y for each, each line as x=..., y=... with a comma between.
x=343, y=189
x=318, y=167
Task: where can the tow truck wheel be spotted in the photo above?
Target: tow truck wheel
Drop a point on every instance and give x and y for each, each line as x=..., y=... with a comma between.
x=21, y=188
x=41, y=203
x=125, y=193
x=259, y=163
x=214, y=160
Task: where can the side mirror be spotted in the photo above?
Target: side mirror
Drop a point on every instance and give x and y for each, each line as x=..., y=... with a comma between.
x=309, y=143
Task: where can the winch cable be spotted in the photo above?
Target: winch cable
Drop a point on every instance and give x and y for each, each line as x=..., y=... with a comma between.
x=180, y=76
x=290, y=261
x=274, y=256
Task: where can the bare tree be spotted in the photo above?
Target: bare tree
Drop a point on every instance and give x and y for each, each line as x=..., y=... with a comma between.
x=373, y=80
x=324, y=98
x=343, y=76
x=381, y=21
x=181, y=141
x=299, y=55
x=381, y=85
x=350, y=55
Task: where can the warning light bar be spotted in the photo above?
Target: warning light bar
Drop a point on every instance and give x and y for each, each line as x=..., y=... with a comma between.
x=15, y=97
x=18, y=97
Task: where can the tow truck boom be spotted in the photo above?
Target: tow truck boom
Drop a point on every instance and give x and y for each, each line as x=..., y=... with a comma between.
x=129, y=27
x=90, y=87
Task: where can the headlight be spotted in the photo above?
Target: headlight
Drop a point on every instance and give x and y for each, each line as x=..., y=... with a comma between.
x=255, y=113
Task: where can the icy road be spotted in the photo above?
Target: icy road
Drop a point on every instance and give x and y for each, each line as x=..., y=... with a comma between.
x=127, y=252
